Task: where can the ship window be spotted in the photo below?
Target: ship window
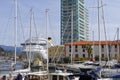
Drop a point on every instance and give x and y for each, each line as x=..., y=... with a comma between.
x=42, y=44
x=60, y=77
x=54, y=77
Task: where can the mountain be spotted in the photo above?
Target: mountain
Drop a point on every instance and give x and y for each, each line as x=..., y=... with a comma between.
x=11, y=48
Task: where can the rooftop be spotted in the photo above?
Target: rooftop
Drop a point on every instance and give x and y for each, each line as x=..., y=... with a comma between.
x=94, y=42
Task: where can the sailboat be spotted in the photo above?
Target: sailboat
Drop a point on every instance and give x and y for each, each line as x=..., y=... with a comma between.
x=42, y=46
x=108, y=73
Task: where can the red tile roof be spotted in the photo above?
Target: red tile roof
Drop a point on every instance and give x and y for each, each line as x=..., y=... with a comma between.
x=95, y=42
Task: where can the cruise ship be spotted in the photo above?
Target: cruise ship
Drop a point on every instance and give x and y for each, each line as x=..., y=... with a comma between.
x=37, y=47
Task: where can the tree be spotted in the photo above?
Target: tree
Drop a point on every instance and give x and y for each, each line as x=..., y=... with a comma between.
x=1, y=49
x=89, y=50
x=66, y=59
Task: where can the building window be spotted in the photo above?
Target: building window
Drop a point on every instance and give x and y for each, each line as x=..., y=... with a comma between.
x=76, y=55
x=70, y=48
x=83, y=46
x=69, y=55
x=115, y=46
x=76, y=48
x=102, y=46
x=83, y=50
x=83, y=55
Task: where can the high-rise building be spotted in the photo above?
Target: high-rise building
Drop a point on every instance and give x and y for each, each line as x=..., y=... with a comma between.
x=74, y=21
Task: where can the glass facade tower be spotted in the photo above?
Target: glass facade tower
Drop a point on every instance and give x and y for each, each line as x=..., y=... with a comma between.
x=74, y=21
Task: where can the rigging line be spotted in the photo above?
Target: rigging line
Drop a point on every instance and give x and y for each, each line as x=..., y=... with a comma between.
x=5, y=30
x=21, y=24
x=22, y=29
x=30, y=36
x=115, y=35
x=35, y=25
x=103, y=17
x=27, y=15
x=99, y=50
x=38, y=38
x=63, y=33
x=60, y=54
x=8, y=25
x=15, y=28
x=47, y=39
x=117, y=44
x=51, y=29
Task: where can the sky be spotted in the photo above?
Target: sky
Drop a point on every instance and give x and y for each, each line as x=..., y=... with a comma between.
x=38, y=23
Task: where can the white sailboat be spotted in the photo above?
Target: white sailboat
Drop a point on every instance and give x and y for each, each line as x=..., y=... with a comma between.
x=42, y=45
x=107, y=73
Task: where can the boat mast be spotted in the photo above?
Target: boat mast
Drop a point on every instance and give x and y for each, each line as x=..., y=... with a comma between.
x=30, y=38
x=99, y=35
x=93, y=46
x=47, y=38
x=105, y=32
x=15, y=28
x=72, y=34
x=118, y=43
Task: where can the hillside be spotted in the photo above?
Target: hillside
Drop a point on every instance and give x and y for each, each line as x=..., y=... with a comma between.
x=11, y=48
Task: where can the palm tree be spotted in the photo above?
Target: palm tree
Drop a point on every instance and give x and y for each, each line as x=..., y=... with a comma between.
x=89, y=50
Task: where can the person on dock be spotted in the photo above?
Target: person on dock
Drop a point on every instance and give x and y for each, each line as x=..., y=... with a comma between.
x=4, y=77
x=26, y=78
x=10, y=77
x=19, y=77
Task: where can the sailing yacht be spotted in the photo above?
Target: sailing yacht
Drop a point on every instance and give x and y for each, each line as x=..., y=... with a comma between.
x=37, y=47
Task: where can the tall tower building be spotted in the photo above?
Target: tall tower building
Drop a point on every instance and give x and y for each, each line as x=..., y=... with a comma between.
x=74, y=21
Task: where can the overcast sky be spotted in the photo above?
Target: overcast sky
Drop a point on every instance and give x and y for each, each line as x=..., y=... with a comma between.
x=111, y=10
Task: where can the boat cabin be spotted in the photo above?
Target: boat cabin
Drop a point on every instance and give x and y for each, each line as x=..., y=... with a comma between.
x=37, y=76
x=70, y=76
x=59, y=76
